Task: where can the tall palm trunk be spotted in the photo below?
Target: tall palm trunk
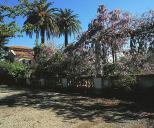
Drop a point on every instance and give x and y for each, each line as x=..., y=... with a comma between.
x=42, y=36
x=66, y=38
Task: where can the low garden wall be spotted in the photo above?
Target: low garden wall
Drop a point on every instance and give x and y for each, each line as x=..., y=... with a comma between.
x=146, y=81
x=86, y=84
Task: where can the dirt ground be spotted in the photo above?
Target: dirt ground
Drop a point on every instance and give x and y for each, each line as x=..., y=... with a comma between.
x=42, y=109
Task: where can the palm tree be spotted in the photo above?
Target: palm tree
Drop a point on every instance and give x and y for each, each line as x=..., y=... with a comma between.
x=41, y=21
x=68, y=24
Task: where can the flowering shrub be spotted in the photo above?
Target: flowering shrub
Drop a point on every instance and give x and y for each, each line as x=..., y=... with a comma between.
x=107, y=35
x=57, y=63
x=77, y=66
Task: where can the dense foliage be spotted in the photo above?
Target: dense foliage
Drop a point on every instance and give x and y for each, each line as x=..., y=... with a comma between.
x=53, y=62
x=8, y=29
x=96, y=51
x=41, y=20
x=68, y=23
x=14, y=70
x=107, y=36
x=46, y=21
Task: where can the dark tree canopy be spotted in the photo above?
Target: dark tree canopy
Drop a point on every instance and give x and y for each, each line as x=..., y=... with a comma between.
x=41, y=20
x=68, y=23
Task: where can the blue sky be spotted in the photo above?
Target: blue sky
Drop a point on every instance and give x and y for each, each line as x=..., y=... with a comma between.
x=86, y=9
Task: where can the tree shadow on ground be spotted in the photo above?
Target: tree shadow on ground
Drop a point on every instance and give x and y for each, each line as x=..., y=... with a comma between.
x=80, y=107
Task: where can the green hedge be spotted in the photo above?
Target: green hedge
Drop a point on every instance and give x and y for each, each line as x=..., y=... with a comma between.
x=14, y=70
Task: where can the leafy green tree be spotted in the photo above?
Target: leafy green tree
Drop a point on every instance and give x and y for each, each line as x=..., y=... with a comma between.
x=14, y=70
x=10, y=29
x=41, y=20
x=7, y=30
x=68, y=23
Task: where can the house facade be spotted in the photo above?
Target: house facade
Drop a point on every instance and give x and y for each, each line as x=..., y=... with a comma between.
x=21, y=54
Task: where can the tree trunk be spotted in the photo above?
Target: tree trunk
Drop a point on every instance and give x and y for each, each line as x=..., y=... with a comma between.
x=66, y=39
x=113, y=54
x=132, y=44
x=104, y=50
x=97, y=62
x=42, y=36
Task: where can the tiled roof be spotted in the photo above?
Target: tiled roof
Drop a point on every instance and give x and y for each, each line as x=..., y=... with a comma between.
x=22, y=52
x=20, y=47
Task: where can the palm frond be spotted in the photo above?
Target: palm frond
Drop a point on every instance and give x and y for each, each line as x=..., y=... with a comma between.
x=42, y=19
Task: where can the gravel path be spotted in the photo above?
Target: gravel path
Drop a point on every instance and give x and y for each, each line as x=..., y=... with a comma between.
x=36, y=109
